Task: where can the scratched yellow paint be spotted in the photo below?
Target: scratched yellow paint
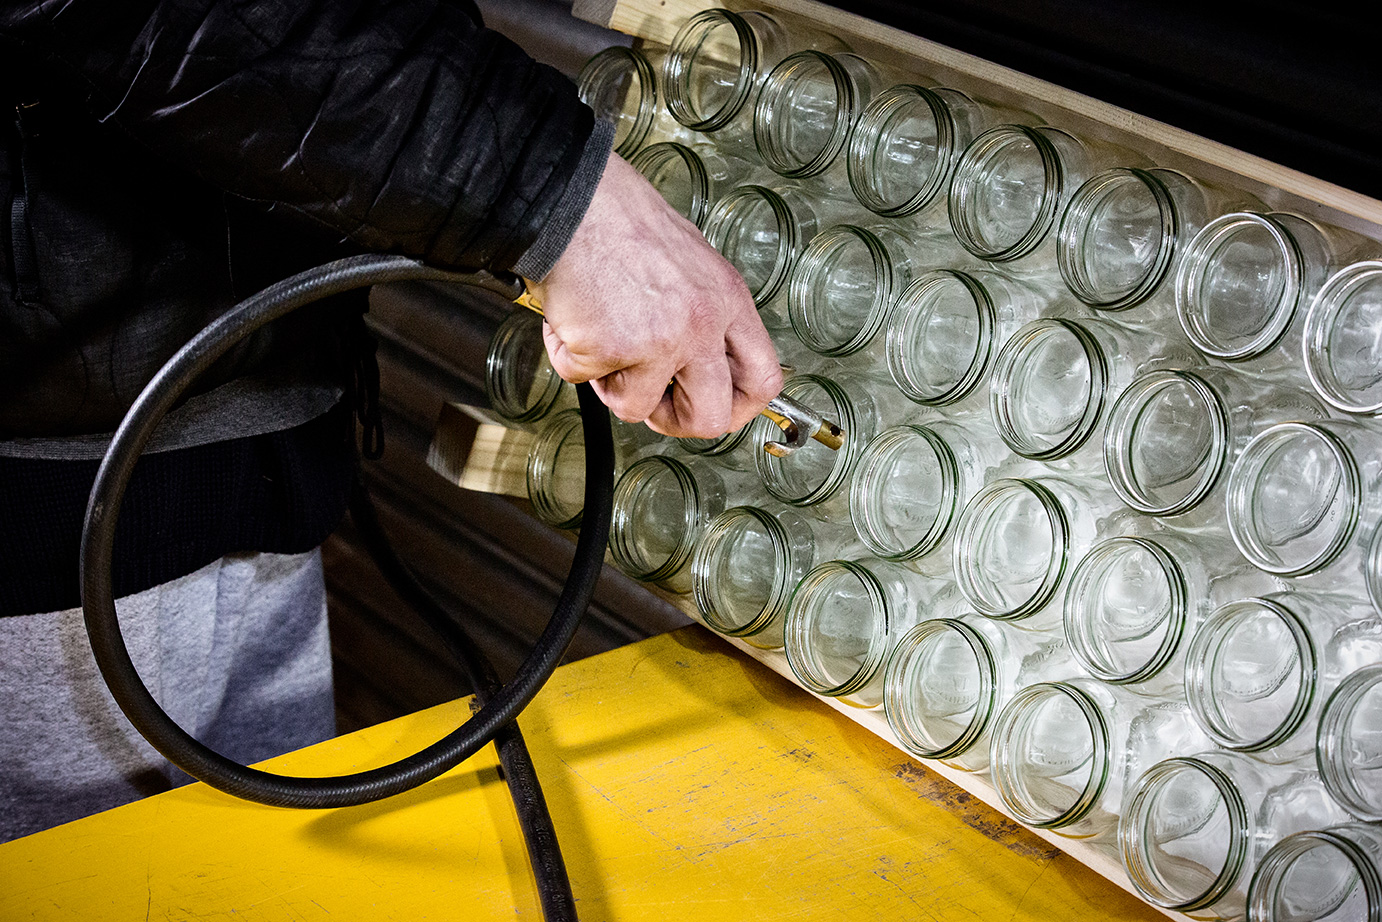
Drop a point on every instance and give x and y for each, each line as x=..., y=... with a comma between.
x=687, y=782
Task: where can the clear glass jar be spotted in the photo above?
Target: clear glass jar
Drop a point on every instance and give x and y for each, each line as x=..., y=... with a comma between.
x=1306, y=496
x=808, y=104
x=620, y=85
x=948, y=677
x=1258, y=670
x=814, y=477
x=905, y=145
x=844, y=284
x=1135, y=598
x=1348, y=746
x=1343, y=356
x=911, y=482
x=1011, y=185
x=1245, y=281
x=1017, y=540
x=1194, y=827
x=519, y=381
x=762, y=232
x=843, y=620
x=1123, y=230
x=1062, y=753
x=1173, y=435
x=690, y=178
x=1326, y=875
x=745, y=567
x=1055, y=377
x=716, y=63
x=661, y=506
x=556, y=470
x=947, y=326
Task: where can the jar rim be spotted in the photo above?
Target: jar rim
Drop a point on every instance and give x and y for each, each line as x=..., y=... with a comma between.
x=678, y=68
x=1003, y=746
x=768, y=114
x=1008, y=364
x=814, y=265
x=898, y=676
x=804, y=608
x=542, y=468
x=1132, y=835
x=1199, y=256
x=1325, y=310
x=905, y=320
x=876, y=121
x=1123, y=423
x=528, y=407
x=967, y=188
x=1078, y=220
x=873, y=466
x=713, y=606
x=718, y=225
x=1272, y=870
x=655, y=156
x=1334, y=743
x=628, y=492
x=973, y=517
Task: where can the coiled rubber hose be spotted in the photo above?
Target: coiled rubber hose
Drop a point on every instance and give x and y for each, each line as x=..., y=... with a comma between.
x=103, y=509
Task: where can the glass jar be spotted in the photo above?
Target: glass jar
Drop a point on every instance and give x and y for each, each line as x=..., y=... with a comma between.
x=520, y=383
x=1173, y=435
x=1122, y=232
x=620, y=85
x=661, y=506
x=745, y=567
x=808, y=104
x=690, y=179
x=715, y=65
x=556, y=470
x=1343, y=357
x=843, y=620
x=1054, y=378
x=905, y=145
x=1326, y=875
x=1195, y=827
x=1011, y=185
x=1348, y=746
x=1306, y=496
x=1017, y=539
x=911, y=482
x=813, y=477
x=1258, y=670
x=947, y=326
x=762, y=232
x=948, y=677
x=1062, y=753
x=1245, y=281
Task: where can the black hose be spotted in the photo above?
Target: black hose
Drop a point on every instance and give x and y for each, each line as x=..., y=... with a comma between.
x=103, y=510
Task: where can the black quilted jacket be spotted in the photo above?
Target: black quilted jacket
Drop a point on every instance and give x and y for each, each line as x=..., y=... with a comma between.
x=162, y=159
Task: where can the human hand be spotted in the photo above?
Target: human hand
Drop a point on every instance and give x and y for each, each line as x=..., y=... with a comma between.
x=639, y=299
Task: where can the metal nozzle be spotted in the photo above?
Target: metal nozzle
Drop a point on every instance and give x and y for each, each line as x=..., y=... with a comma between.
x=800, y=424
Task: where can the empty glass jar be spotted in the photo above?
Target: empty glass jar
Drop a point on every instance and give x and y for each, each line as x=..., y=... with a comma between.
x=620, y=85
x=661, y=506
x=519, y=380
x=1349, y=742
x=690, y=178
x=807, y=106
x=1195, y=827
x=761, y=232
x=556, y=470
x=947, y=326
x=1343, y=355
x=715, y=65
x=1326, y=875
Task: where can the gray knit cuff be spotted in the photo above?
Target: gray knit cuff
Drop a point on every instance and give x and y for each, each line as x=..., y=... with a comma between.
x=551, y=242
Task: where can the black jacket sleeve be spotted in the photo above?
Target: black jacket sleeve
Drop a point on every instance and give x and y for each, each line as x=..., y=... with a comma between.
x=400, y=124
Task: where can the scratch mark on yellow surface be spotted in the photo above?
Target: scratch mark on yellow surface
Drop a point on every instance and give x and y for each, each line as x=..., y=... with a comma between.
x=1022, y=899
x=975, y=814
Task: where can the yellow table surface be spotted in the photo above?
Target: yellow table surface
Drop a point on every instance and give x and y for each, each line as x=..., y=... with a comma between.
x=687, y=781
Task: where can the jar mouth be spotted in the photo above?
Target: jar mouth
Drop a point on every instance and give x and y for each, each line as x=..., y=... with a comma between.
x=1120, y=626
x=1282, y=521
x=1341, y=327
x=841, y=602
x=557, y=453
x=736, y=594
x=1019, y=161
x=1117, y=238
x=1237, y=316
x=1250, y=674
x=1000, y=564
x=599, y=86
x=1052, y=733
x=519, y=380
x=903, y=497
x=1350, y=748
x=681, y=68
x=777, y=128
x=1039, y=408
x=1166, y=445
x=732, y=229
x=638, y=499
x=1199, y=797
x=824, y=308
x=881, y=124
x=679, y=176
x=1313, y=875
x=956, y=347
x=805, y=478
x=940, y=688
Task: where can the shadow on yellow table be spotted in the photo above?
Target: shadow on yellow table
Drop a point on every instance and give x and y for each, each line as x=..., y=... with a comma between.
x=686, y=781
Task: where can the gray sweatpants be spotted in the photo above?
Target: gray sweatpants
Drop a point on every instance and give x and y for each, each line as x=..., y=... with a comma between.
x=237, y=653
